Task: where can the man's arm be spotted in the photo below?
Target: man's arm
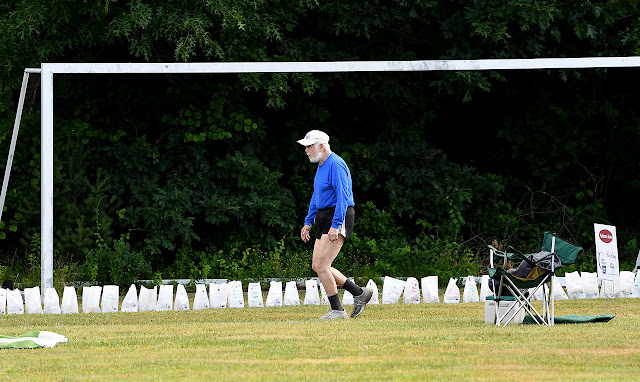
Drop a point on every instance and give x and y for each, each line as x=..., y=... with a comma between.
x=309, y=220
x=313, y=210
x=340, y=184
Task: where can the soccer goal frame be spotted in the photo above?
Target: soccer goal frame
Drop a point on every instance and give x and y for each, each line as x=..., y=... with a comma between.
x=47, y=71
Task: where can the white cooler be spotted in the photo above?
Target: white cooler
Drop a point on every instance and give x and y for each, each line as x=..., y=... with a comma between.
x=505, y=304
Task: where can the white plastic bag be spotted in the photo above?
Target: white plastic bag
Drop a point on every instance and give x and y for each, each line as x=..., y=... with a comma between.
x=236, y=295
x=3, y=301
x=411, y=293
x=626, y=284
x=590, y=284
x=148, y=299
x=324, y=299
x=182, y=299
x=32, y=301
x=575, y=287
x=274, y=296
x=470, y=292
x=110, y=298
x=430, y=289
x=91, y=299
x=347, y=298
x=254, y=296
x=609, y=288
x=218, y=295
x=452, y=293
x=69, y=300
x=201, y=300
x=51, y=301
x=484, y=288
x=130, y=302
x=391, y=290
x=14, y=302
x=165, y=298
x=311, y=295
x=291, y=296
x=636, y=287
x=539, y=293
x=374, y=297
x=558, y=291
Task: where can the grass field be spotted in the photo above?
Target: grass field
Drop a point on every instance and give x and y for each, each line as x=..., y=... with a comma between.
x=388, y=342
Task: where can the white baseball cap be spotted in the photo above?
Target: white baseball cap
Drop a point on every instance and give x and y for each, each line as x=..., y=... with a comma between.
x=314, y=136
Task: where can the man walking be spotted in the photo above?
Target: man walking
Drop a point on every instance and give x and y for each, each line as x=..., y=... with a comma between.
x=331, y=208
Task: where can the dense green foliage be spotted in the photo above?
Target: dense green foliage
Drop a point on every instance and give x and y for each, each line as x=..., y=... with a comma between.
x=200, y=176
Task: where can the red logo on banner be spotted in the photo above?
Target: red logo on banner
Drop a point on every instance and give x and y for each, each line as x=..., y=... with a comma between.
x=606, y=236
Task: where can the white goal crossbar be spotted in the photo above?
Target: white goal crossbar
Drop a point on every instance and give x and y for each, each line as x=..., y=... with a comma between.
x=47, y=70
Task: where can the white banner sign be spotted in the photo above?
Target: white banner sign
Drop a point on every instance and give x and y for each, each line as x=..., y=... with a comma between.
x=607, y=252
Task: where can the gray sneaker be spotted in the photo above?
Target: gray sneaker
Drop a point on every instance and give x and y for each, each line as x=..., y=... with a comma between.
x=335, y=314
x=359, y=302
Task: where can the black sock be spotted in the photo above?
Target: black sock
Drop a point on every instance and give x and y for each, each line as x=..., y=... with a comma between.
x=352, y=288
x=335, y=302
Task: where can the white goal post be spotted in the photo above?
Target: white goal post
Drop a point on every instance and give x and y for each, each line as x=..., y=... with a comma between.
x=47, y=70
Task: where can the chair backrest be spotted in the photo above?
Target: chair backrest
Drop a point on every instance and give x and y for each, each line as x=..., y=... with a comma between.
x=567, y=252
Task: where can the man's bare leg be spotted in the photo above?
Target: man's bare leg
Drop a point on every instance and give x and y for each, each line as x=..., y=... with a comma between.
x=324, y=252
x=338, y=276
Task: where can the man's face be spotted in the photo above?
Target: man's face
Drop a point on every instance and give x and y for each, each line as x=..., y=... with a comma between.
x=313, y=152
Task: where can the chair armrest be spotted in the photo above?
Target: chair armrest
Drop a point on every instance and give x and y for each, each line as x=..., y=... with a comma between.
x=495, y=253
x=516, y=255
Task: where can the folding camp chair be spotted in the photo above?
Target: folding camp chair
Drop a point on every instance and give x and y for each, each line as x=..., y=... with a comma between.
x=535, y=271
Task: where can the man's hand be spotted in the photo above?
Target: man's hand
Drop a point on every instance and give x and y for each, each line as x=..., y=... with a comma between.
x=304, y=233
x=333, y=234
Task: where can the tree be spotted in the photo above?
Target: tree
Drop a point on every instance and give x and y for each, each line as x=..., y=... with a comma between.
x=207, y=163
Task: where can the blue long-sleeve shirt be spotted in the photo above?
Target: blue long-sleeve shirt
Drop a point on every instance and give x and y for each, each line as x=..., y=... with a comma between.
x=331, y=187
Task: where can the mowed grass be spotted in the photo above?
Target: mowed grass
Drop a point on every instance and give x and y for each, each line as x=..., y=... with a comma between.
x=388, y=342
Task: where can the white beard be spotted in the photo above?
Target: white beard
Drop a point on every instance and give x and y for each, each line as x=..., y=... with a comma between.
x=315, y=159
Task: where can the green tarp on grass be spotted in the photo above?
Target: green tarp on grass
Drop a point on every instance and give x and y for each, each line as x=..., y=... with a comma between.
x=32, y=340
x=573, y=319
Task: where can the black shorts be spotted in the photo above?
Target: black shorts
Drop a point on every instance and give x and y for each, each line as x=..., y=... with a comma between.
x=325, y=216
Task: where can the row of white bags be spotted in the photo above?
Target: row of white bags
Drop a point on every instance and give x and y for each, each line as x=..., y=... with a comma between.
x=11, y=300
x=582, y=285
x=410, y=289
x=106, y=299
x=585, y=285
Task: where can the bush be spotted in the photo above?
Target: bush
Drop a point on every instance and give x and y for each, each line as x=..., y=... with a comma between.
x=239, y=261
x=117, y=264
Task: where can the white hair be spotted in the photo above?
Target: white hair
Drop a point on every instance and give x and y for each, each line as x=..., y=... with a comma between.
x=317, y=146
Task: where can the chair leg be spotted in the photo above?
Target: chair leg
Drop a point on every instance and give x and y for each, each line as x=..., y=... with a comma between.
x=545, y=302
x=551, y=300
x=523, y=302
x=497, y=317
